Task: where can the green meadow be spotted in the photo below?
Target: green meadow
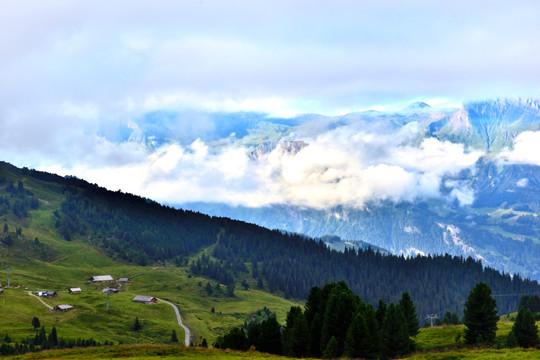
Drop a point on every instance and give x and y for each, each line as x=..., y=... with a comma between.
x=57, y=264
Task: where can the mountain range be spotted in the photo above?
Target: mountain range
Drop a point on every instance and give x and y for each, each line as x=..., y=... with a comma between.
x=488, y=210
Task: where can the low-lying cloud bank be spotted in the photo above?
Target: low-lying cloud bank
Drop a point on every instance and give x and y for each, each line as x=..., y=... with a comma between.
x=349, y=165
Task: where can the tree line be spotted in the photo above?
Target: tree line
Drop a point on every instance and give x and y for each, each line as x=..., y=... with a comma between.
x=335, y=322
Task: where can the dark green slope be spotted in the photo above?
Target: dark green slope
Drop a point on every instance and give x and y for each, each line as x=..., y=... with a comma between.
x=133, y=229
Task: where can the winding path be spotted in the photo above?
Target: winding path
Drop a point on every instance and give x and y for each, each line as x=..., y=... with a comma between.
x=186, y=330
x=40, y=299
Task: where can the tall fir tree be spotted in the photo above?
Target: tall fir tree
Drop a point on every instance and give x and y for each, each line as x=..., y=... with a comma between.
x=314, y=342
x=409, y=311
x=270, y=337
x=340, y=308
x=395, y=333
x=137, y=324
x=525, y=329
x=295, y=335
x=381, y=312
x=174, y=337
x=362, y=339
x=53, y=337
x=331, y=351
x=480, y=316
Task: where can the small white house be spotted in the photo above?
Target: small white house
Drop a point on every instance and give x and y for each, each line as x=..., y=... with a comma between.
x=75, y=290
x=101, y=278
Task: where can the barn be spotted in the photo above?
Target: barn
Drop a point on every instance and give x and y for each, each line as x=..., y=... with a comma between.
x=101, y=278
x=145, y=299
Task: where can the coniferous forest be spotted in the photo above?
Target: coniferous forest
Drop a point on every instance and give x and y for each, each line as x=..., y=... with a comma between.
x=141, y=231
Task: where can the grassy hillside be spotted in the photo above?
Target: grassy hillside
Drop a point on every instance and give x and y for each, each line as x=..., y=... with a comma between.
x=90, y=318
x=56, y=264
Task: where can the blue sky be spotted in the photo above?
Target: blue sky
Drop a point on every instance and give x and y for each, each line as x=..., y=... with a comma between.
x=72, y=73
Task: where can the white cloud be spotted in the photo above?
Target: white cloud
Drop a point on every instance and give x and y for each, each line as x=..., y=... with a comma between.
x=343, y=166
x=526, y=149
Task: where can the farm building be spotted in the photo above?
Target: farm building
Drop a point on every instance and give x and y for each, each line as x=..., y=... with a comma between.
x=101, y=278
x=109, y=290
x=144, y=299
x=124, y=280
x=74, y=290
x=46, y=294
x=62, y=307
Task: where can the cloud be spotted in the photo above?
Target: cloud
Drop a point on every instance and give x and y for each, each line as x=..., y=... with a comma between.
x=349, y=165
x=283, y=57
x=526, y=149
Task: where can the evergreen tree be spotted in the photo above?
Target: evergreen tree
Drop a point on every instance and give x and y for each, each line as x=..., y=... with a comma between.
x=53, y=337
x=525, y=329
x=230, y=289
x=295, y=339
x=409, y=311
x=137, y=325
x=395, y=333
x=174, y=337
x=35, y=323
x=314, y=342
x=331, y=351
x=480, y=316
x=363, y=335
x=340, y=308
x=381, y=312
x=270, y=338
x=450, y=318
x=254, y=332
x=204, y=343
x=235, y=339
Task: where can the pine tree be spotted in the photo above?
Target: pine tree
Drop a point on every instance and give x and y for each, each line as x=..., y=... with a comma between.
x=525, y=329
x=270, y=338
x=254, y=332
x=137, y=325
x=314, y=342
x=409, y=311
x=331, y=350
x=174, y=337
x=35, y=323
x=53, y=337
x=480, y=316
x=395, y=333
x=362, y=339
x=340, y=308
x=296, y=336
x=204, y=343
x=381, y=312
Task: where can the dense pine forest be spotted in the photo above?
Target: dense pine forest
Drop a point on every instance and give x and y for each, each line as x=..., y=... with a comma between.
x=138, y=230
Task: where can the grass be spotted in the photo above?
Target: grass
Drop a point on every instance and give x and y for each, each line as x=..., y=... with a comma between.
x=479, y=354
x=57, y=264
x=147, y=352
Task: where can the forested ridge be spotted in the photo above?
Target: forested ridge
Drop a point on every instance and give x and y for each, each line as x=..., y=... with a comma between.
x=139, y=230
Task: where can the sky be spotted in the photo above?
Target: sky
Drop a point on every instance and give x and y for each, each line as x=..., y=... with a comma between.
x=74, y=75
